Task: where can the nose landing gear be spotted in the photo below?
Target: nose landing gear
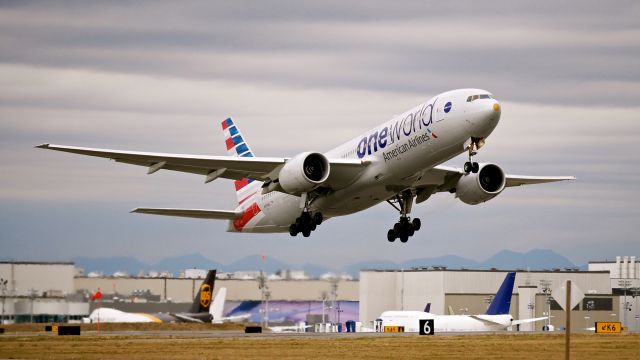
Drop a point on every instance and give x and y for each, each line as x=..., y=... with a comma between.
x=404, y=228
x=470, y=166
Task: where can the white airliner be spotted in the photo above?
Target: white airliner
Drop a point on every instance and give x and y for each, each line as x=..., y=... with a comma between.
x=398, y=162
x=497, y=317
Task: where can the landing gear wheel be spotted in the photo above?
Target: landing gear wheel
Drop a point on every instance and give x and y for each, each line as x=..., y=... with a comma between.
x=404, y=228
x=318, y=218
x=410, y=229
x=306, y=232
x=468, y=167
x=391, y=235
x=475, y=167
x=416, y=224
x=293, y=230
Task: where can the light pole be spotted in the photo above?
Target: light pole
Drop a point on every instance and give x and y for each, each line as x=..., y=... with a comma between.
x=546, y=290
x=625, y=283
x=586, y=322
x=3, y=288
x=531, y=306
x=590, y=305
x=266, y=294
x=32, y=296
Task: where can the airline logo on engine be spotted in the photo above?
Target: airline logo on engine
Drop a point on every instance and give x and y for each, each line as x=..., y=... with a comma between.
x=406, y=127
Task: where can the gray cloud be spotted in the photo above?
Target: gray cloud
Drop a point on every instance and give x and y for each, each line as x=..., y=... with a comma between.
x=159, y=76
x=526, y=52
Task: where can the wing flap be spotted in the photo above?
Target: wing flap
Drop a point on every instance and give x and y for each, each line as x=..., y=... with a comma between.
x=190, y=213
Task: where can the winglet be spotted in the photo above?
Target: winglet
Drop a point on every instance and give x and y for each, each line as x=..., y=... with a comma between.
x=502, y=301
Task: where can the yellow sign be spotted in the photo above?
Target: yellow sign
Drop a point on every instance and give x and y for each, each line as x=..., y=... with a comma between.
x=205, y=295
x=608, y=327
x=394, y=329
x=54, y=328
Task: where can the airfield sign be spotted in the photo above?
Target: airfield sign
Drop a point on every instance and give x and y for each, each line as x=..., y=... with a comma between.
x=560, y=295
x=608, y=327
x=426, y=326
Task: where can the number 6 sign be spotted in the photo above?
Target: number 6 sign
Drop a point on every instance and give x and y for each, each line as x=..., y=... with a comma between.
x=426, y=327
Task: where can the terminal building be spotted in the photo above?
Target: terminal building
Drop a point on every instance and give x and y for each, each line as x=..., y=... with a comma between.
x=57, y=291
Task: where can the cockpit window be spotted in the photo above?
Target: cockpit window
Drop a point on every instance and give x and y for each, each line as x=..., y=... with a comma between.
x=476, y=97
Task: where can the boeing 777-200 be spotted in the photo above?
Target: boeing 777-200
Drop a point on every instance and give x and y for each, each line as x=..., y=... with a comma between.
x=399, y=161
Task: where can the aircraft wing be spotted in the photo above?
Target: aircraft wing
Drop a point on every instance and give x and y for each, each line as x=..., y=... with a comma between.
x=343, y=171
x=191, y=213
x=444, y=178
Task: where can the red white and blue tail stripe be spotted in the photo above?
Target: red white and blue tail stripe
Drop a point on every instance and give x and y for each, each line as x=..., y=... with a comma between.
x=236, y=146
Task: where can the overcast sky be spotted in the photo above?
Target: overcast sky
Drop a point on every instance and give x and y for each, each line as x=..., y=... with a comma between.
x=298, y=76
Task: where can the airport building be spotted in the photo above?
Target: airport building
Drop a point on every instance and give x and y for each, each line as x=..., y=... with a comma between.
x=56, y=291
x=471, y=291
x=625, y=282
x=36, y=291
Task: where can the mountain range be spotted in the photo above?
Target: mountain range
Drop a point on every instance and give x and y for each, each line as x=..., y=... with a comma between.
x=536, y=259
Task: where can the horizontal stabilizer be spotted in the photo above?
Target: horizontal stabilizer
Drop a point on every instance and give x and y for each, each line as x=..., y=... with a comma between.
x=186, y=318
x=191, y=213
x=485, y=321
x=526, y=321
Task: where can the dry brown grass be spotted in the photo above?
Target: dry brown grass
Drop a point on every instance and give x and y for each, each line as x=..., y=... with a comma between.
x=503, y=346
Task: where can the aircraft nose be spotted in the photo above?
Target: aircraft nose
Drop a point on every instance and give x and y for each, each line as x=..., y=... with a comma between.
x=496, y=107
x=487, y=118
x=491, y=112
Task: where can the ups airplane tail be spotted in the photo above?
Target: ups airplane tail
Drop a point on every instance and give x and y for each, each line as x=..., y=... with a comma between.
x=202, y=301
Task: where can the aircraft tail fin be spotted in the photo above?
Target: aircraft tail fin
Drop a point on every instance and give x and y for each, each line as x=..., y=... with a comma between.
x=502, y=301
x=202, y=301
x=427, y=308
x=237, y=146
x=217, y=306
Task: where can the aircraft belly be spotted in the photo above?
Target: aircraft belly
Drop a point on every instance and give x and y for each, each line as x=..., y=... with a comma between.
x=277, y=212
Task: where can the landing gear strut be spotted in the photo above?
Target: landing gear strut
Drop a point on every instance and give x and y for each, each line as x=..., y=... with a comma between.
x=404, y=228
x=471, y=166
x=306, y=222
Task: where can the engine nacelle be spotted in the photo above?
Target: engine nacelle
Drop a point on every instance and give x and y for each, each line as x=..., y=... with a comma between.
x=304, y=172
x=477, y=188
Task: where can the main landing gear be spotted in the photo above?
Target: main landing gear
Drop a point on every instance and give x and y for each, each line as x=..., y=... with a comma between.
x=470, y=166
x=307, y=221
x=404, y=228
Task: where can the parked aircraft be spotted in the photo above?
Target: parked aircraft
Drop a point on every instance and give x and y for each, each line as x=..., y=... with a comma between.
x=199, y=311
x=398, y=162
x=496, y=318
x=217, y=308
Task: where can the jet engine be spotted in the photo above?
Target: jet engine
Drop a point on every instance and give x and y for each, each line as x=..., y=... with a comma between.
x=482, y=186
x=304, y=172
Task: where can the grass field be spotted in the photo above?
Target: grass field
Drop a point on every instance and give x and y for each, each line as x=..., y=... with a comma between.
x=503, y=346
